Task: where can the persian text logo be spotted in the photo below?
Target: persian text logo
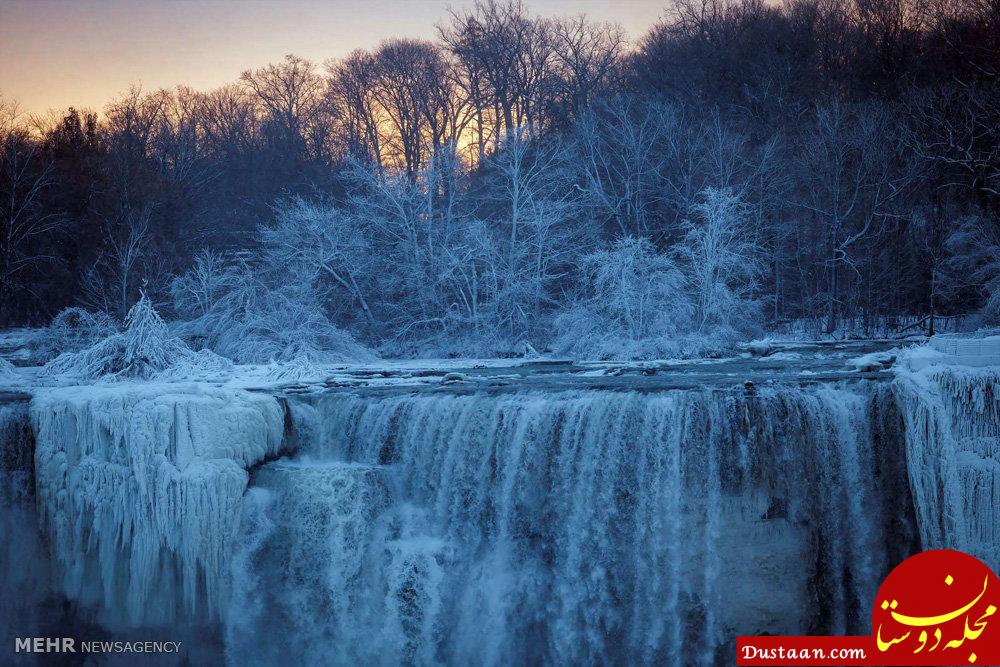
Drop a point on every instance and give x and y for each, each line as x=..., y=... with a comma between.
x=936, y=608
x=938, y=602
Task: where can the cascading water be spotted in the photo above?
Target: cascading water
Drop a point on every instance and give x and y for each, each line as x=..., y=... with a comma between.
x=563, y=517
x=568, y=527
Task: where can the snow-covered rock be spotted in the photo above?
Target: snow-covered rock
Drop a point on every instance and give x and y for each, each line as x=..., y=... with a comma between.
x=8, y=373
x=140, y=489
x=874, y=361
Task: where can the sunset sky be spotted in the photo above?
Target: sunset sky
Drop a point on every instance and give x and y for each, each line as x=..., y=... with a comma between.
x=57, y=53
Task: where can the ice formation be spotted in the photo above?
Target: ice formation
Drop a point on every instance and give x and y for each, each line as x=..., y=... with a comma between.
x=952, y=416
x=566, y=527
x=465, y=523
x=140, y=488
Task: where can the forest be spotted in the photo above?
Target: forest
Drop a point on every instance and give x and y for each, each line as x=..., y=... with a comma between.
x=528, y=183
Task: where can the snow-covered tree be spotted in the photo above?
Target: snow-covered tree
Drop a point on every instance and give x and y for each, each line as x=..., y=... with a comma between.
x=197, y=290
x=720, y=264
x=320, y=245
x=634, y=304
x=536, y=240
x=110, y=284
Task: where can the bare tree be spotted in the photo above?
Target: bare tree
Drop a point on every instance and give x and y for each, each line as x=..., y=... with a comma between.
x=621, y=149
x=849, y=185
x=291, y=93
x=352, y=84
x=587, y=56
x=25, y=177
x=507, y=59
x=112, y=283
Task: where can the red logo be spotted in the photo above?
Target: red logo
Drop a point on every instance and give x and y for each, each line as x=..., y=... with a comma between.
x=936, y=608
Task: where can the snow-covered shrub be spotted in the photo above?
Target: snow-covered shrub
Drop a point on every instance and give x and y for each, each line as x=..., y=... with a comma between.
x=635, y=305
x=71, y=330
x=144, y=349
x=299, y=369
x=256, y=323
x=7, y=370
x=276, y=308
x=200, y=365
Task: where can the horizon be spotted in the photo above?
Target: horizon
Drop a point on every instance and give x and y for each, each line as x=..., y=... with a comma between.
x=206, y=45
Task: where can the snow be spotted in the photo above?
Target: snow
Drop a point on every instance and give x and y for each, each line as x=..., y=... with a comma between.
x=140, y=488
x=874, y=361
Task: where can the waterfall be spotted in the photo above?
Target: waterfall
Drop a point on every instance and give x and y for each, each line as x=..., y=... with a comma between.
x=24, y=574
x=569, y=526
x=952, y=417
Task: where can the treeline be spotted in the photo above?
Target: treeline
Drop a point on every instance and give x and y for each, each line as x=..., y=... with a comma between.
x=521, y=181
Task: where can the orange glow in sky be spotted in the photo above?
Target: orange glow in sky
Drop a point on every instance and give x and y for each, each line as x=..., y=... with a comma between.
x=60, y=53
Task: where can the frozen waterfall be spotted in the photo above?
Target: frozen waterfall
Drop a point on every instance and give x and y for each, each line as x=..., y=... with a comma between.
x=139, y=488
x=952, y=419
x=535, y=522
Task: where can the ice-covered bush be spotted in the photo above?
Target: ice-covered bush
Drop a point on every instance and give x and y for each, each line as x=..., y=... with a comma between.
x=144, y=349
x=254, y=322
x=70, y=331
x=634, y=305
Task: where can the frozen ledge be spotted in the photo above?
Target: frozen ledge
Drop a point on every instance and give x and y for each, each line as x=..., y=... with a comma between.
x=140, y=489
x=961, y=351
x=968, y=351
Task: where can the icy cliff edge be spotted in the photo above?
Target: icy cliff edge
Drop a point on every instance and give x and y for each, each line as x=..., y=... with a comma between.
x=140, y=489
x=952, y=417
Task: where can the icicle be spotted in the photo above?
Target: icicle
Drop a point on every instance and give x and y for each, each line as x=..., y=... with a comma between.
x=952, y=419
x=139, y=489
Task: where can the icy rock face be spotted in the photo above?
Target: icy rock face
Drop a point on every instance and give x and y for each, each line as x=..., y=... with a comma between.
x=24, y=573
x=569, y=527
x=140, y=487
x=952, y=416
